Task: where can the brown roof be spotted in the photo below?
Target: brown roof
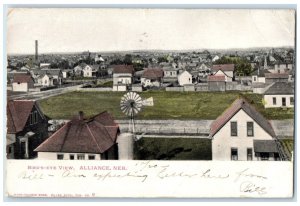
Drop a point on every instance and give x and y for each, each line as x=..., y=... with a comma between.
x=94, y=135
x=153, y=73
x=277, y=75
x=22, y=78
x=236, y=106
x=18, y=112
x=223, y=67
x=123, y=69
x=216, y=78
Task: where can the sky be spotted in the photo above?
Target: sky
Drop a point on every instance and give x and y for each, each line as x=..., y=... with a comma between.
x=96, y=30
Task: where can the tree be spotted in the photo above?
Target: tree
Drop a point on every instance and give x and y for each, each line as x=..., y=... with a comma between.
x=128, y=59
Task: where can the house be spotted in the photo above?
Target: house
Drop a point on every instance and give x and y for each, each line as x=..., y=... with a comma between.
x=280, y=94
x=226, y=70
x=259, y=76
x=152, y=77
x=242, y=133
x=90, y=70
x=122, y=77
x=215, y=58
x=83, y=139
x=216, y=83
x=22, y=82
x=48, y=77
x=78, y=69
x=170, y=74
x=276, y=77
x=66, y=73
x=185, y=78
x=26, y=128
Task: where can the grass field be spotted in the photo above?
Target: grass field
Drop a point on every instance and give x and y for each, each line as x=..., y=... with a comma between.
x=167, y=105
x=173, y=149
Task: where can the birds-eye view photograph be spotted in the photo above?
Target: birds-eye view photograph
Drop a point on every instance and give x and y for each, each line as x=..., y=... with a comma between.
x=150, y=84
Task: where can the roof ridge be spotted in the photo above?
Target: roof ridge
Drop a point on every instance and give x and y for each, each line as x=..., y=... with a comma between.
x=93, y=138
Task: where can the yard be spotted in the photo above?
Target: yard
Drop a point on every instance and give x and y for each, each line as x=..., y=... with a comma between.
x=167, y=105
x=173, y=149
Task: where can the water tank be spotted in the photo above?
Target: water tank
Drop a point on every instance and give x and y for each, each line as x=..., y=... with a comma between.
x=125, y=146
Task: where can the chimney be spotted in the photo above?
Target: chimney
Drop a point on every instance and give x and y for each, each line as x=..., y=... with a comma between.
x=36, y=51
x=80, y=115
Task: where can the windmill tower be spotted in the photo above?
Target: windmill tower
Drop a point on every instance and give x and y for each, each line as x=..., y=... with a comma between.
x=131, y=104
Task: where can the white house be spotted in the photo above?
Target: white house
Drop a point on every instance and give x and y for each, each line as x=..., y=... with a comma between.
x=184, y=78
x=280, y=94
x=215, y=58
x=90, y=70
x=22, y=82
x=122, y=77
x=259, y=76
x=170, y=74
x=226, y=70
x=242, y=133
x=45, y=80
x=54, y=77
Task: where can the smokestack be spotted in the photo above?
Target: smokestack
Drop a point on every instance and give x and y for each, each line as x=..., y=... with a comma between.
x=36, y=51
x=80, y=115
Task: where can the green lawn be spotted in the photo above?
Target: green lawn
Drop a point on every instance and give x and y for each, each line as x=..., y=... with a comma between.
x=173, y=149
x=167, y=105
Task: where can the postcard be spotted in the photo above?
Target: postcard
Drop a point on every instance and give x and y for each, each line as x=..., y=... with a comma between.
x=150, y=103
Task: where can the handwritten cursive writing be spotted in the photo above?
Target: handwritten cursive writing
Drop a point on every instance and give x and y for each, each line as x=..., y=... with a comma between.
x=249, y=187
x=245, y=173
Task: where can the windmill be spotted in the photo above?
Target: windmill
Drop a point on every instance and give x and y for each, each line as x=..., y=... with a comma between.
x=131, y=104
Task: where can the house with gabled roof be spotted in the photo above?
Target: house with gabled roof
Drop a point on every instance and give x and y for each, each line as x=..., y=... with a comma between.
x=279, y=94
x=242, y=133
x=226, y=70
x=83, y=139
x=22, y=82
x=152, y=77
x=27, y=127
x=90, y=70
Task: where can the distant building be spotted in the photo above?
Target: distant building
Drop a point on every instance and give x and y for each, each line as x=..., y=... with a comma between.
x=90, y=70
x=83, y=139
x=242, y=133
x=122, y=77
x=49, y=77
x=22, y=82
x=152, y=77
x=26, y=128
x=226, y=70
x=276, y=77
x=280, y=94
x=170, y=74
x=185, y=78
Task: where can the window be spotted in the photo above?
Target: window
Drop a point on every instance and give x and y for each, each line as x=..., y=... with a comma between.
x=283, y=101
x=233, y=128
x=33, y=118
x=250, y=132
x=71, y=157
x=274, y=100
x=249, y=154
x=80, y=156
x=292, y=100
x=254, y=79
x=91, y=157
x=9, y=149
x=60, y=156
x=234, y=154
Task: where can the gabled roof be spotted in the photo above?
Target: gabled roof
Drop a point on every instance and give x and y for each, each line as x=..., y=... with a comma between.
x=184, y=72
x=53, y=72
x=235, y=107
x=281, y=88
x=223, y=67
x=153, y=73
x=216, y=78
x=18, y=112
x=119, y=69
x=94, y=135
x=22, y=78
x=277, y=75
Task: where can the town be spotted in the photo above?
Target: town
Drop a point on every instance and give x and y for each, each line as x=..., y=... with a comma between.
x=204, y=104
